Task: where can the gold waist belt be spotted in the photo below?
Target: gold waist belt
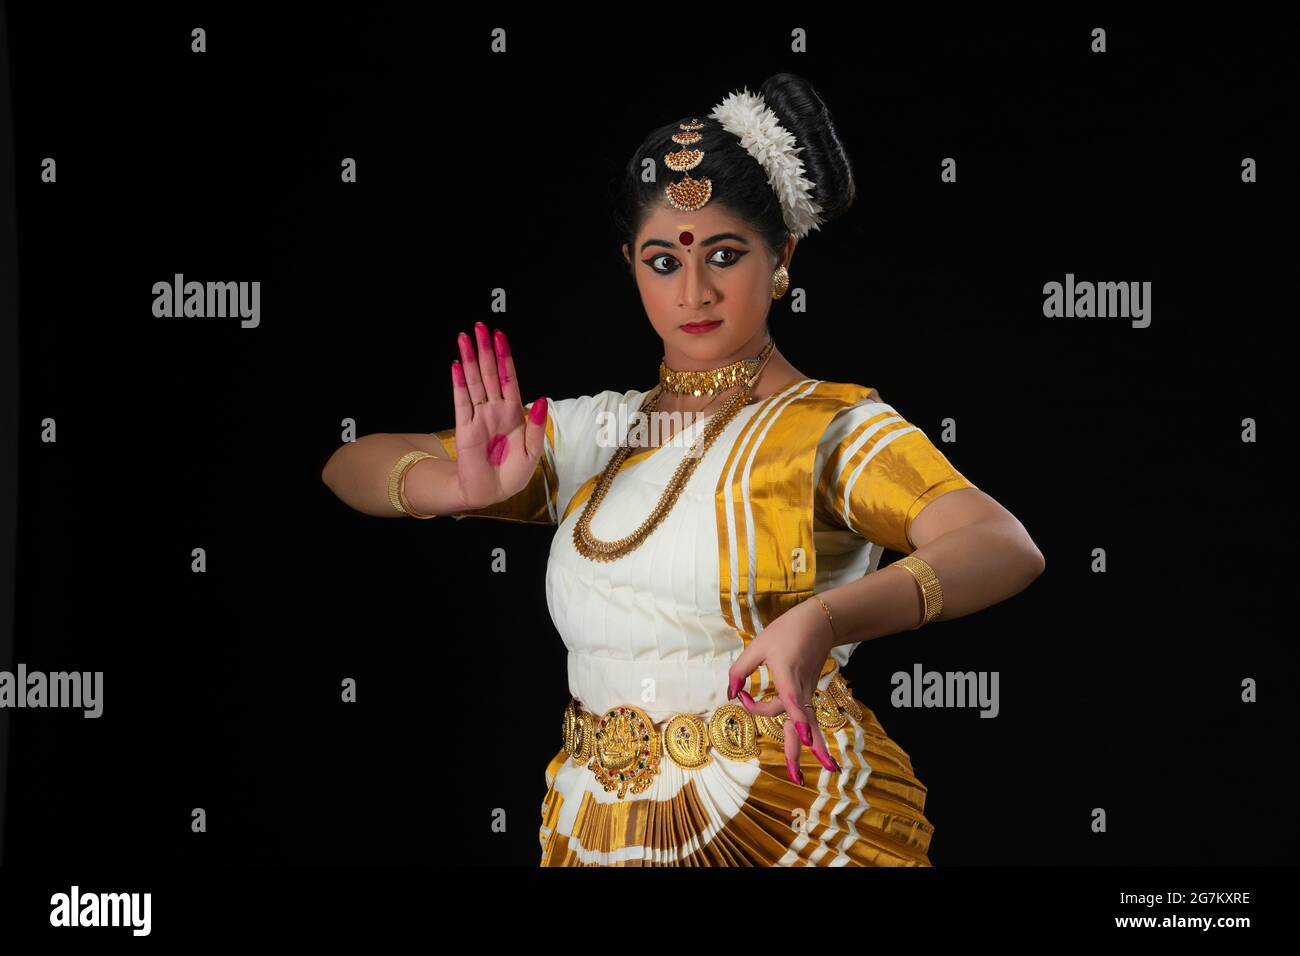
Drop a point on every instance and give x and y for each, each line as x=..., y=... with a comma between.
x=624, y=746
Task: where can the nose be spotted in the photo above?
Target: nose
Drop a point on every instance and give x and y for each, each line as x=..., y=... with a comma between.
x=697, y=286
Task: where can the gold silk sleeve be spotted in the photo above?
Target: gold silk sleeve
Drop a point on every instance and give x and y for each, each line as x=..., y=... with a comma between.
x=880, y=475
x=536, y=503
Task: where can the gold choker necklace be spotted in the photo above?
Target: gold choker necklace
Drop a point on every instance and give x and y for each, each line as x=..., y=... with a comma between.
x=708, y=381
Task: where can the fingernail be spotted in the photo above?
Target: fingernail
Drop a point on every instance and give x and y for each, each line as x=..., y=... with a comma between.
x=481, y=331
x=732, y=686
x=538, y=412
x=457, y=373
x=804, y=733
x=502, y=346
x=745, y=699
x=465, y=354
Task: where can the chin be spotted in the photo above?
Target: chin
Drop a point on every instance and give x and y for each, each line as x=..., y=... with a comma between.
x=705, y=350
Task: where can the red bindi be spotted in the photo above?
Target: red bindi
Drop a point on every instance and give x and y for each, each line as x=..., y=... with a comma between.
x=497, y=447
x=686, y=238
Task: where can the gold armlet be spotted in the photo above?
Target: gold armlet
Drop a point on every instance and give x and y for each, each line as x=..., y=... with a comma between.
x=928, y=581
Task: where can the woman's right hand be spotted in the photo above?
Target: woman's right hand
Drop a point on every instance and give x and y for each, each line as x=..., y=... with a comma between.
x=497, y=445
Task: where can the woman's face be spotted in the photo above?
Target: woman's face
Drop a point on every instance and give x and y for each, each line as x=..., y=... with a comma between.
x=721, y=273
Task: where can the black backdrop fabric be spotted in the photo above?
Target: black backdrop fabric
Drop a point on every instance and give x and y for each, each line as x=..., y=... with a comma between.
x=476, y=171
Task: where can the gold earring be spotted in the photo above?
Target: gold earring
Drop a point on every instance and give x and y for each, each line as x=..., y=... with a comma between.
x=780, y=281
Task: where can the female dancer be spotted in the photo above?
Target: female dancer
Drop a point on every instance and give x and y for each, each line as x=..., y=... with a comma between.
x=710, y=587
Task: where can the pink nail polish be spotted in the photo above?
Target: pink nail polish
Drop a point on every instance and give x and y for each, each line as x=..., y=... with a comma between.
x=457, y=373
x=537, y=413
x=502, y=346
x=745, y=699
x=804, y=733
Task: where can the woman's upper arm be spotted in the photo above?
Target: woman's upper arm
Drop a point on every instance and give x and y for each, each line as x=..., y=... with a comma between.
x=877, y=472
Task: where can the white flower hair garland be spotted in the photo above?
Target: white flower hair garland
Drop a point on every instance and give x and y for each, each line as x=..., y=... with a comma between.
x=747, y=116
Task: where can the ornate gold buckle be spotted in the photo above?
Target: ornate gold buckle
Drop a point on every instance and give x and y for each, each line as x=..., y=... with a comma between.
x=627, y=750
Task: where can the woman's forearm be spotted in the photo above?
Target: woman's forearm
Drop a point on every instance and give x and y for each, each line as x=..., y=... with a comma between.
x=358, y=473
x=977, y=565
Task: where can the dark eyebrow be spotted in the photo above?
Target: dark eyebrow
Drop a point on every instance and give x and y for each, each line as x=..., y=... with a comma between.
x=707, y=242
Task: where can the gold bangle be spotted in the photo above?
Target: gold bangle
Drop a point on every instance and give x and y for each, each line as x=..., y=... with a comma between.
x=828, y=618
x=397, y=483
x=928, y=581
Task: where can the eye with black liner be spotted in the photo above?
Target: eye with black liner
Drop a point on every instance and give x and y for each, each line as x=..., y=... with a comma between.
x=737, y=255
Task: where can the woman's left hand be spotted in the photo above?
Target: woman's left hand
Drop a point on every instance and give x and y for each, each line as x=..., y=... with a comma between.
x=794, y=647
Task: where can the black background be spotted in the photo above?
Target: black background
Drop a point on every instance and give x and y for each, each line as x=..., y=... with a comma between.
x=1118, y=690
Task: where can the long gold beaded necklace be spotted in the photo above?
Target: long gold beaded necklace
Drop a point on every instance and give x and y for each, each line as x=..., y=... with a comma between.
x=698, y=383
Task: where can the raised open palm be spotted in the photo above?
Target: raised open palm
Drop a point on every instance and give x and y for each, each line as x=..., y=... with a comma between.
x=497, y=445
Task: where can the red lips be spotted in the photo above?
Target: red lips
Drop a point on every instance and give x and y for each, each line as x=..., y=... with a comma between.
x=701, y=326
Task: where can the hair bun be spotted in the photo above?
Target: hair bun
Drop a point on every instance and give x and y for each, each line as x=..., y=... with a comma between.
x=804, y=113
